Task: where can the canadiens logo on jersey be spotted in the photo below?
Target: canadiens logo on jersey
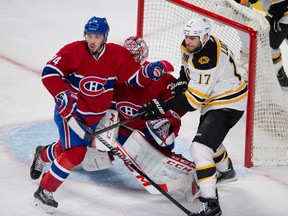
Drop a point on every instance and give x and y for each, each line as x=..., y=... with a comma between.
x=204, y=60
x=92, y=86
x=127, y=109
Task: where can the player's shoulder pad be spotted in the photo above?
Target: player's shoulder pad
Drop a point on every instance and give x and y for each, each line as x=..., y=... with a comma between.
x=207, y=58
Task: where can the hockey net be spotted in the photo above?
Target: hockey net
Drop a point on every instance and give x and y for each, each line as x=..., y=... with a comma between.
x=160, y=23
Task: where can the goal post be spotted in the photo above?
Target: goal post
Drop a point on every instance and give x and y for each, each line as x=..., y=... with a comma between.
x=160, y=23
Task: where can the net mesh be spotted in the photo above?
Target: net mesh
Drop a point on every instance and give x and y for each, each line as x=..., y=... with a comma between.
x=163, y=32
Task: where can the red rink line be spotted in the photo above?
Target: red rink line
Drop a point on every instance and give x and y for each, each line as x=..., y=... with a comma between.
x=24, y=67
x=272, y=178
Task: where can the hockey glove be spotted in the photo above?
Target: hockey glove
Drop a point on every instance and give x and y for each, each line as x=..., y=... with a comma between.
x=181, y=84
x=153, y=109
x=164, y=130
x=273, y=20
x=67, y=102
x=155, y=70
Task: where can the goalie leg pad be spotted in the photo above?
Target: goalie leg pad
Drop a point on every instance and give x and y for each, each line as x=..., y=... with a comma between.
x=159, y=167
x=110, y=118
x=96, y=160
x=98, y=156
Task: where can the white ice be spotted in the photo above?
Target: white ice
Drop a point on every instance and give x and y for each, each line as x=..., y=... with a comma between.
x=32, y=31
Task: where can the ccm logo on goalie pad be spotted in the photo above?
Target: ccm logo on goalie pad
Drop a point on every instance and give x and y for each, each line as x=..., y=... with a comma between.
x=181, y=163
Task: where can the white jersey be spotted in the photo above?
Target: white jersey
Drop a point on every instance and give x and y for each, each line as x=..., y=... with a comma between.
x=214, y=81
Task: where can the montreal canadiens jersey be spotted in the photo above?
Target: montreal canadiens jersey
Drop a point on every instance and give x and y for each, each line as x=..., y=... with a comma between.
x=128, y=100
x=93, y=78
x=213, y=79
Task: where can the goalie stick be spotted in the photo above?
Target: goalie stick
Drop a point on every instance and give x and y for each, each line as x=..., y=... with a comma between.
x=132, y=166
x=75, y=125
x=135, y=168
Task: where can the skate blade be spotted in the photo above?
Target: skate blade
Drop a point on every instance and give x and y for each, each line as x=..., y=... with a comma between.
x=42, y=207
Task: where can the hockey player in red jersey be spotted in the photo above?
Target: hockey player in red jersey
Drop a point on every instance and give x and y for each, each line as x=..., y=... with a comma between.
x=215, y=87
x=81, y=78
x=153, y=138
x=130, y=99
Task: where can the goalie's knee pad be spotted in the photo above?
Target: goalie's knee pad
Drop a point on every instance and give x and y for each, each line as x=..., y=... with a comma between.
x=158, y=166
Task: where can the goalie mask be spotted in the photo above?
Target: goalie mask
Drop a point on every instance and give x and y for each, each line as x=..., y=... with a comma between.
x=138, y=48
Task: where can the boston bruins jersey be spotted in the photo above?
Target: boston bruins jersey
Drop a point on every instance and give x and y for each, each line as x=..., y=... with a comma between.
x=213, y=79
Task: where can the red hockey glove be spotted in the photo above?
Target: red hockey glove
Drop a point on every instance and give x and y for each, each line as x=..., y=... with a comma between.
x=167, y=66
x=153, y=109
x=155, y=70
x=67, y=102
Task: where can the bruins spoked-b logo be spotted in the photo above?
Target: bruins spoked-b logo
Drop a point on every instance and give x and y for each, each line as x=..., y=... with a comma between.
x=204, y=60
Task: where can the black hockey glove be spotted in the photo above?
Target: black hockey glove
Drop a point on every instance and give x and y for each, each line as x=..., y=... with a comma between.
x=181, y=84
x=273, y=20
x=153, y=109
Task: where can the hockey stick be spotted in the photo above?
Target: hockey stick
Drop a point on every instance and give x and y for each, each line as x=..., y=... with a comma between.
x=132, y=166
x=75, y=125
x=135, y=168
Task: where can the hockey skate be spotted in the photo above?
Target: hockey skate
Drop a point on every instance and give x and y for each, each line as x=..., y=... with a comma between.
x=37, y=165
x=44, y=200
x=210, y=207
x=282, y=78
x=227, y=176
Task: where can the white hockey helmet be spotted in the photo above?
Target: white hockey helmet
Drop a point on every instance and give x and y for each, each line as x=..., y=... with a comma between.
x=138, y=48
x=197, y=26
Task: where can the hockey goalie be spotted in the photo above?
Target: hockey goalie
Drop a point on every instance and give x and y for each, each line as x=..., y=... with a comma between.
x=169, y=170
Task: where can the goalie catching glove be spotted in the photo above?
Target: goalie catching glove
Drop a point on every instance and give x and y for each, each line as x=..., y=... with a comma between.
x=67, y=102
x=155, y=70
x=164, y=130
